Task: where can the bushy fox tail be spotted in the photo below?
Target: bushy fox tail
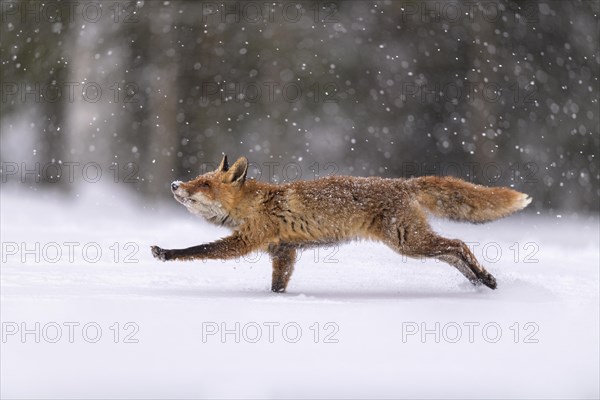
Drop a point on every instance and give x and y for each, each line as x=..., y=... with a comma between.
x=458, y=200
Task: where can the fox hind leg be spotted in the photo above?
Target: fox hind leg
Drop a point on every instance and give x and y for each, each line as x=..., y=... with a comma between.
x=456, y=253
x=460, y=250
x=284, y=258
x=418, y=240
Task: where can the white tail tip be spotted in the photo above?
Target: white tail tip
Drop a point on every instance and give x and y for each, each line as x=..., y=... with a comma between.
x=524, y=201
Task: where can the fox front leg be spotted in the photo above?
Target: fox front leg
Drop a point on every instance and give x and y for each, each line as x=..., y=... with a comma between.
x=226, y=248
x=160, y=253
x=284, y=257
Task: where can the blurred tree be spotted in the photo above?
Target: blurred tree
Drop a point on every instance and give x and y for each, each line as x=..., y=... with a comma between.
x=501, y=93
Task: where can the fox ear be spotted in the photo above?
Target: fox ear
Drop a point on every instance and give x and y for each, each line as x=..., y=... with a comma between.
x=224, y=166
x=237, y=172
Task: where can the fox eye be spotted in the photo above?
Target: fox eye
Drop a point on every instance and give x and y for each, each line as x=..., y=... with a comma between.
x=205, y=185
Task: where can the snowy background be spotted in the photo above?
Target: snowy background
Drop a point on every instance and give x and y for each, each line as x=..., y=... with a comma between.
x=104, y=104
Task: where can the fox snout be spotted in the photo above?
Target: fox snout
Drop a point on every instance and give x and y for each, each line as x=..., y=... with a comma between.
x=179, y=192
x=175, y=185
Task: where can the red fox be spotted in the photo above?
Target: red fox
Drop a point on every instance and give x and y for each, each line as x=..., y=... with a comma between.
x=281, y=219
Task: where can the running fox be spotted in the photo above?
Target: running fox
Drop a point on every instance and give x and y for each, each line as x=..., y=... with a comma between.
x=280, y=219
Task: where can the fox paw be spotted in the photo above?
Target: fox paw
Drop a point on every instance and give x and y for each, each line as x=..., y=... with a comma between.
x=488, y=280
x=277, y=289
x=484, y=278
x=159, y=253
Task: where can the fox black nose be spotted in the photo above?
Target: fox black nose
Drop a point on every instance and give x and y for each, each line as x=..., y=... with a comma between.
x=174, y=186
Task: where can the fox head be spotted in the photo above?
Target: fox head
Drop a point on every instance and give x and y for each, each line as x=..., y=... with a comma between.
x=214, y=195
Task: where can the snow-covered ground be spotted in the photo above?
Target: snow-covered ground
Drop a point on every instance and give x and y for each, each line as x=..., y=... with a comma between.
x=357, y=321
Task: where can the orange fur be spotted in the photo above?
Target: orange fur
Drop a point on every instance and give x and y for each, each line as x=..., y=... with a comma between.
x=279, y=219
x=462, y=201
